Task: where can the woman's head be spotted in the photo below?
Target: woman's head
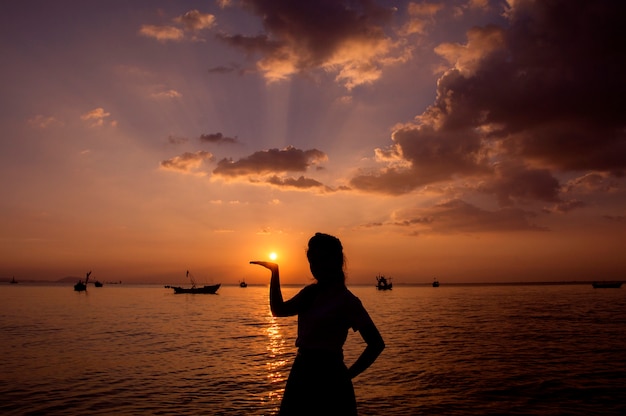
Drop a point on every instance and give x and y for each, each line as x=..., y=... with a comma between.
x=326, y=260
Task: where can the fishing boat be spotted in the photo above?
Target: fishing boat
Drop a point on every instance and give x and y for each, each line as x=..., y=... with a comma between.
x=97, y=283
x=210, y=289
x=435, y=282
x=243, y=284
x=606, y=285
x=383, y=283
x=82, y=286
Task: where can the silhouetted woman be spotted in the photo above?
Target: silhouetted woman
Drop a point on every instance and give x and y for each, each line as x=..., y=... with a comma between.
x=319, y=382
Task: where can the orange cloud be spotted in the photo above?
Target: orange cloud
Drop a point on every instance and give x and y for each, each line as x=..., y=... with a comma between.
x=169, y=94
x=96, y=117
x=162, y=33
x=481, y=43
x=43, y=122
x=187, y=163
x=421, y=16
x=192, y=22
x=328, y=35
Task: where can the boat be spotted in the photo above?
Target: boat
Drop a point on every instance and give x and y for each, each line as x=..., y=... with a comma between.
x=435, y=283
x=13, y=281
x=97, y=283
x=606, y=285
x=383, y=283
x=210, y=289
x=82, y=286
x=243, y=284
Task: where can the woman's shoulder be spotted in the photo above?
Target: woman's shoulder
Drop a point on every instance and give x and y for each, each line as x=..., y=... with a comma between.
x=309, y=290
x=311, y=287
x=351, y=297
x=349, y=293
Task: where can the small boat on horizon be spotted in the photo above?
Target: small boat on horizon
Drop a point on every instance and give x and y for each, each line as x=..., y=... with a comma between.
x=13, y=281
x=207, y=289
x=383, y=283
x=82, y=286
x=435, y=282
x=243, y=284
x=606, y=285
x=97, y=283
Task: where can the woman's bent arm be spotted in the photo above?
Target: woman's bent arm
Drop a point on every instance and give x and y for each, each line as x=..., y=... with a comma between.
x=375, y=345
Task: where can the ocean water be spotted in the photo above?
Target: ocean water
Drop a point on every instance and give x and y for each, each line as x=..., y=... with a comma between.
x=452, y=350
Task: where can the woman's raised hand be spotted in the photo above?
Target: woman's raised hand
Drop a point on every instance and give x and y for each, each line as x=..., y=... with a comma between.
x=267, y=264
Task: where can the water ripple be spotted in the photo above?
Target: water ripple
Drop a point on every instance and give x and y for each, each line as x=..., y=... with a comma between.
x=527, y=350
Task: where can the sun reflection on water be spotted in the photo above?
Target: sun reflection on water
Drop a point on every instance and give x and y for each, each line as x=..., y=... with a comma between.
x=276, y=351
x=276, y=364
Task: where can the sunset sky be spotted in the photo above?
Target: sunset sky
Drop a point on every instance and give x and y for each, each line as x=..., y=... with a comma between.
x=469, y=140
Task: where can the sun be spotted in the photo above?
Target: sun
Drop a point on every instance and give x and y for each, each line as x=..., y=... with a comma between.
x=273, y=256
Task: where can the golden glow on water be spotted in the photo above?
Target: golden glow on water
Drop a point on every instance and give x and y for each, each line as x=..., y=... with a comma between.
x=277, y=365
x=276, y=350
x=455, y=350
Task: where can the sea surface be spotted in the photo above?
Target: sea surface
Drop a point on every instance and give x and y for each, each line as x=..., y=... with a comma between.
x=452, y=350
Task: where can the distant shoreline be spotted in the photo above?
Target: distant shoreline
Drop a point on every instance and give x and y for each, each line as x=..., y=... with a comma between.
x=397, y=284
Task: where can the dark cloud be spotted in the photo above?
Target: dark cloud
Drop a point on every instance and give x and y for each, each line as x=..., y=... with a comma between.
x=223, y=69
x=521, y=105
x=592, y=182
x=615, y=218
x=177, y=140
x=217, y=138
x=515, y=183
x=271, y=161
x=393, y=181
x=457, y=216
x=433, y=156
x=299, y=183
x=373, y=225
x=343, y=37
x=251, y=44
x=565, y=206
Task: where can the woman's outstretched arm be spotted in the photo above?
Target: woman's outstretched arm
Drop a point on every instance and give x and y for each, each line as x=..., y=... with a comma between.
x=375, y=345
x=277, y=305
